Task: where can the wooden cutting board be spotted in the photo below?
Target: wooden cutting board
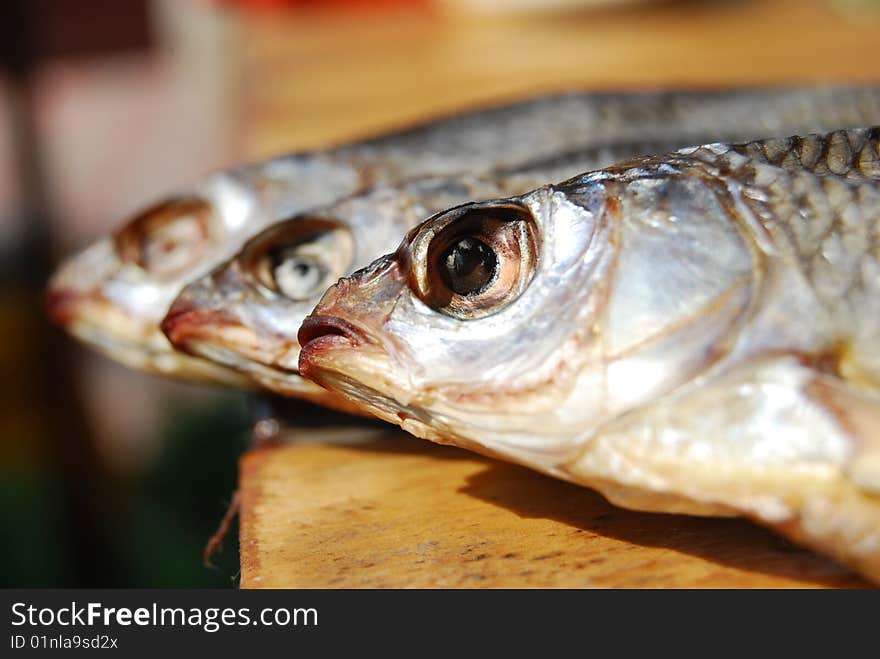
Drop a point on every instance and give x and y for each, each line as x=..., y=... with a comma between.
x=382, y=509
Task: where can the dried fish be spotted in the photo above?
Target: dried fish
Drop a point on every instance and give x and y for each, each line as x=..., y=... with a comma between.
x=697, y=332
x=114, y=294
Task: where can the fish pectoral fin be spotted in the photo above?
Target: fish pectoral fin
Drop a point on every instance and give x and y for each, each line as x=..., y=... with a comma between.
x=858, y=416
x=771, y=439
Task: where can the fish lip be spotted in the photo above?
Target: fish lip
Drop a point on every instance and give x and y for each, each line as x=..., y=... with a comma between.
x=61, y=305
x=185, y=322
x=324, y=329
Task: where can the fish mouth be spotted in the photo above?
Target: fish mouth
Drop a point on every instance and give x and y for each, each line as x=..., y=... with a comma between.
x=101, y=325
x=63, y=306
x=381, y=398
x=97, y=321
x=223, y=338
x=343, y=357
x=324, y=330
x=339, y=356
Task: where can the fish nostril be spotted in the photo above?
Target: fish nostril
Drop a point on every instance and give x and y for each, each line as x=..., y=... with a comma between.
x=315, y=327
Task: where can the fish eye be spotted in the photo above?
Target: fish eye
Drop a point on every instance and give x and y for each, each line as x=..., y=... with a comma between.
x=168, y=238
x=474, y=261
x=296, y=276
x=299, y=258
x=468, y=266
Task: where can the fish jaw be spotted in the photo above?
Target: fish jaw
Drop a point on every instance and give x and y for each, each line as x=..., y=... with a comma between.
x=341, y=348
x=224, y=337
x=344, y=365
x=111, y=306
x=78, y=300
x=105, y=327
x=201, y=331
x=327, y=361
x=97, y=322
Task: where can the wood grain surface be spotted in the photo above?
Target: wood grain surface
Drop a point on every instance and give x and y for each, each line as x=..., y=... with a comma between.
x=323, y=78
x=401, y=512
x=392, y=511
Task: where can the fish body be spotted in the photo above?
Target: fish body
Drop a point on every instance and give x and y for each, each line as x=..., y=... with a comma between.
x=114, y=294
x=697, y=332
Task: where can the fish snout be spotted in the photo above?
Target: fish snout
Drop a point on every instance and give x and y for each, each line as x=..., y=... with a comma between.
x=353, y=312
x=62, y=305
x=335, y=319
x=70, y=307
x=78, y=284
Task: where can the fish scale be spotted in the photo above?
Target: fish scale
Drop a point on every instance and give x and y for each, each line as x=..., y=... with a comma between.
x=849, y=153
x=806, y=195
x=820, y=214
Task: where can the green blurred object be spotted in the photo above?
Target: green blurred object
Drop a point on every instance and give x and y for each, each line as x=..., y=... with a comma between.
x=33, y=550
x=155, y=528
x=177, y=508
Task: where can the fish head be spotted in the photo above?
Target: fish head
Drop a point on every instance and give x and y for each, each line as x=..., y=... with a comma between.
x=245, y=314
x=113, y=294
x=515, y=327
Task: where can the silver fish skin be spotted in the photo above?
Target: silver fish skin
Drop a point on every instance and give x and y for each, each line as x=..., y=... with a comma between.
x=246, y=313
x=694, y=333
x=114, y=294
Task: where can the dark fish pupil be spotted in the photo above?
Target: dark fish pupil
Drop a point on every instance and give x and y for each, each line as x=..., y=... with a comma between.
x=468, y=266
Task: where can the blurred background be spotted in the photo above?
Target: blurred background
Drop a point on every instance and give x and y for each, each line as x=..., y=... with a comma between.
x=113, y=478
